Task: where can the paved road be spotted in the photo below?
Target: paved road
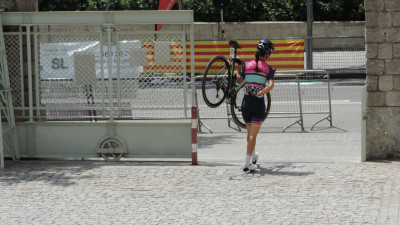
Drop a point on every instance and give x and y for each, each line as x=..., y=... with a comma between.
x=312, y=177
x=339, y=143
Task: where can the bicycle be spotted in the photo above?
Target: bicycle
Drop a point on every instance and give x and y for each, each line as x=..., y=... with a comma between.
x=220, y=83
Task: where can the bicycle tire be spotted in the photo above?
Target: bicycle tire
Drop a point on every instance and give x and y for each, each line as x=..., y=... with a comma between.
x=236, y=108
x=215, y=80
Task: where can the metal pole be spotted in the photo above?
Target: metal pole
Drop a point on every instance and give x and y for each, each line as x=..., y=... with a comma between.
x=329, y=99
x=37, y=83
x=103, y=85
x=117, y=49
x=110, y=75
x=30, y=85
x=192, y=80
x=300, y=103
x=310, y=19
x=185, y=89
x=180, y=4
x=21, y=70
x=222, y=24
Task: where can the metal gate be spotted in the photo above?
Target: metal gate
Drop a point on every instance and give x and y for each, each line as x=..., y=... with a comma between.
x=99, y=66
x=107, y=72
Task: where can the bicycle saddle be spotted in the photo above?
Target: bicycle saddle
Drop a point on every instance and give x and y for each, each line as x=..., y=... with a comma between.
x=234, y=44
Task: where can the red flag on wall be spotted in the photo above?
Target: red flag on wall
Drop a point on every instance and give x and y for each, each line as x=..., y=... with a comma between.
x=165, y=5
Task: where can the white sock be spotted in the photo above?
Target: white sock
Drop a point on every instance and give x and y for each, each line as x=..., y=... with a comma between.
x=247, y=160
x=254, y=152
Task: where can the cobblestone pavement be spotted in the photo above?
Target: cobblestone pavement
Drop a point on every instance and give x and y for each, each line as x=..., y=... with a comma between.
x=129, y=192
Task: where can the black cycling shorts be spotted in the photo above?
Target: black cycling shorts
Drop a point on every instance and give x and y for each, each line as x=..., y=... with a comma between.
x=253, y=109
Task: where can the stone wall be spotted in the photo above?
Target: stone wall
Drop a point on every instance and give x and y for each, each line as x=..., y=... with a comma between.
x=383, y=78
x=271, y=30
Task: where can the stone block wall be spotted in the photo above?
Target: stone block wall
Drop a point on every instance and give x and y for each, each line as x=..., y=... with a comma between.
x=382, y=35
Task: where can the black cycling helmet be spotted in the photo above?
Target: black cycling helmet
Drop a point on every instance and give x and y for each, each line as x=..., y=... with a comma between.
x=265, y=46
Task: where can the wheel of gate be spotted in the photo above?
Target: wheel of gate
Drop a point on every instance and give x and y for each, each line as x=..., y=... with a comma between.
x=111, y=148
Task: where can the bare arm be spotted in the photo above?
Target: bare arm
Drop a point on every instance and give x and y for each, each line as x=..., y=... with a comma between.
x=238, y=78
x=267, y=89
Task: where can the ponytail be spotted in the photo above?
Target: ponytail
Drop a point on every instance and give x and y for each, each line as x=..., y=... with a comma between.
x=257, y=55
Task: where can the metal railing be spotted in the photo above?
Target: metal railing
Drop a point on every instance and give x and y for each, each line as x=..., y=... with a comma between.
x=296, y=93
x=314, y=94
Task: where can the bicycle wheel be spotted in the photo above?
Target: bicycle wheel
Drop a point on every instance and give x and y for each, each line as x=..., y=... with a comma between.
x=236, y=108
x=215, y=81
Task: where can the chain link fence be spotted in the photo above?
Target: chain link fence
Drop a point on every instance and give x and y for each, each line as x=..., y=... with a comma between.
x=98, y=74
x=336, y=54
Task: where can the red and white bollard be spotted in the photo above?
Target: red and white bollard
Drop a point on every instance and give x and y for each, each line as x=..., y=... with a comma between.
x=194, y=135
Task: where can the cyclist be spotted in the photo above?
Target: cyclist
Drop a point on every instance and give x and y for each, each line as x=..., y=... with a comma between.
x=255, y=74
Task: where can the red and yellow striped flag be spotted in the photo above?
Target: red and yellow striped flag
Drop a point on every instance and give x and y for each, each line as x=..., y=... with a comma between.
x=288, y=55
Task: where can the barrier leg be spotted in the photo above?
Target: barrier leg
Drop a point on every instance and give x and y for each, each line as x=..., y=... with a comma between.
x=1, y=147
x=194, y=135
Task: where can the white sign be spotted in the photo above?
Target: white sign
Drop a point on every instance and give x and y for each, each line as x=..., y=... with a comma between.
x=232, y=52
x=57, y=59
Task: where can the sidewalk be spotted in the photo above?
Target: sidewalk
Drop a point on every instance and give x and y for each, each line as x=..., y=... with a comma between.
x=96, y=192
x=303, y=178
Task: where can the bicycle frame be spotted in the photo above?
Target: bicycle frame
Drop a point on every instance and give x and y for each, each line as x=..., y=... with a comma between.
x=233, y=79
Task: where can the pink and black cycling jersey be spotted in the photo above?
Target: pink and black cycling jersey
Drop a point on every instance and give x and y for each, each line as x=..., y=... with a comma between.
x=256, y=80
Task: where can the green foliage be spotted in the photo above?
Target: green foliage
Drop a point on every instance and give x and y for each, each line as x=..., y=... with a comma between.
x=60, y=5
x=343, y=9
x=97, y=5
x=238, y=11
x=105, y=5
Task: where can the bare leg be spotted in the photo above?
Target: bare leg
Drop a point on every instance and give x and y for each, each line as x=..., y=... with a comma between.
x=252, y=132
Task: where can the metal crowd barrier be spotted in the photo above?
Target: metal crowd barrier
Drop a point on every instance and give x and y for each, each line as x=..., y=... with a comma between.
x=314, y=94
x=296, y=93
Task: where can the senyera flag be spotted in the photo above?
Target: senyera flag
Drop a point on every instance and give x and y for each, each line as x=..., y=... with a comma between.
x=165, y=5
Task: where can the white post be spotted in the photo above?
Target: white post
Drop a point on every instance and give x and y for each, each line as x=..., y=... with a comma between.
x=30, y=82
x=110, y=75
x=192, y=78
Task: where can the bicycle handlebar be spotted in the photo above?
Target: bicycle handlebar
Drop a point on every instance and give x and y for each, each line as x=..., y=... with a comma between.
x=234, y=44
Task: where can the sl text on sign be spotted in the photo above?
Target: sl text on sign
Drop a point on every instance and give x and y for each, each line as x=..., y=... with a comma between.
x=69, y=60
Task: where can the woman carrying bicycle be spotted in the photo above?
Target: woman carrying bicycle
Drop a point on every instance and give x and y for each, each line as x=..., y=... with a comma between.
x=255, y=74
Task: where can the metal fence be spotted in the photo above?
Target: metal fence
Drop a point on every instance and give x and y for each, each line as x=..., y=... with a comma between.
x=296, y=93
x=108, y=66
x=314, y=94
x=336, y=54
x=98, y=75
